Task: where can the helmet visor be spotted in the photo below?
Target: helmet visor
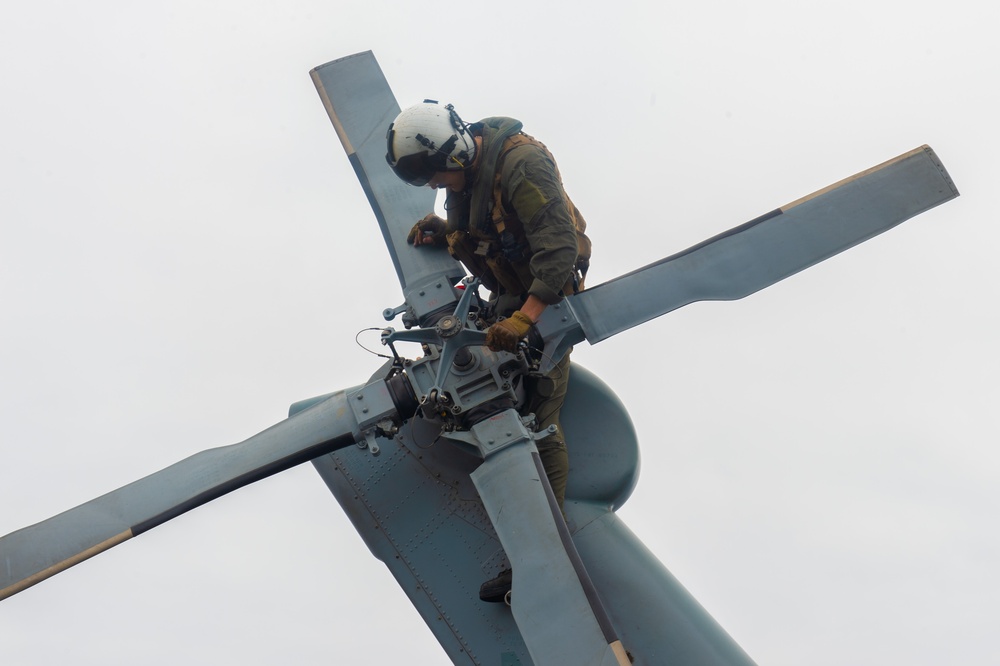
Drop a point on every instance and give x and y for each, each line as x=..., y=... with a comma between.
x=413, y=169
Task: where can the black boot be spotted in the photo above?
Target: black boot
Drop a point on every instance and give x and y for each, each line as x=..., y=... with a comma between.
x=496, y=589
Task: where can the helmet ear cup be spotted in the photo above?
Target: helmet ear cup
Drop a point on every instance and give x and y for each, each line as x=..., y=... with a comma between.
x=427, y=138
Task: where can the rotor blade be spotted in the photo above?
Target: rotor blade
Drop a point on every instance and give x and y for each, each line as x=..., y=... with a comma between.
x=761, y=252
x=35, y=553
x=553, y=601
x=361, y=105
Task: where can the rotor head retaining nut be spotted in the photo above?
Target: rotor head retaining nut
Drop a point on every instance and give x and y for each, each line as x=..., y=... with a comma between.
x=448, y=326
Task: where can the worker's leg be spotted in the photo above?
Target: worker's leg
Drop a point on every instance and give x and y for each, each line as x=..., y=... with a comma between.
x=545, y=399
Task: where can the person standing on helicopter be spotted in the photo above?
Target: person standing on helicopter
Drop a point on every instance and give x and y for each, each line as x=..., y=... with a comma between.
x=512, y=225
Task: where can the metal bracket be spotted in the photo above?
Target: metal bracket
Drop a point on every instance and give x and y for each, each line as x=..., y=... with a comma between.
x=374, y=412
x=369, y=442
x=499, y=432
x=542, y=434
x=560, y=327
x=390, y=313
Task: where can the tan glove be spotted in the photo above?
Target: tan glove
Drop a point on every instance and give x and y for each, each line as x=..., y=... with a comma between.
x=431, y=230
x=506, y=333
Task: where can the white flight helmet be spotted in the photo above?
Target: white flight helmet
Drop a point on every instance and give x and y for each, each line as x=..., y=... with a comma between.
x=427, y=138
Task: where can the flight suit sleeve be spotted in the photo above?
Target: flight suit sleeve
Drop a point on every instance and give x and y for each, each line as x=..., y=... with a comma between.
x=532, y=186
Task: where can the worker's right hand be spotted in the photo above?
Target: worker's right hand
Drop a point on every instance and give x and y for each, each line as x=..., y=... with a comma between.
x=431, y=230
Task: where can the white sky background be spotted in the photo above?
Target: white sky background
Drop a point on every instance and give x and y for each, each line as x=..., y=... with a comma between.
x=185, y=251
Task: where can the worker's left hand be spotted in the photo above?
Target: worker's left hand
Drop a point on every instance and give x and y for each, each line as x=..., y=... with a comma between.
x=507, y=333
x=431, y=230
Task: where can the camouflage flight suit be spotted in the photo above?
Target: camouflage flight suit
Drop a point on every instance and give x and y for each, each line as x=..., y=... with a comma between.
x=516, y=230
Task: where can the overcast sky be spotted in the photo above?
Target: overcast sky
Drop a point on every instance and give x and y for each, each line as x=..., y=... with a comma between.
x=185, y=251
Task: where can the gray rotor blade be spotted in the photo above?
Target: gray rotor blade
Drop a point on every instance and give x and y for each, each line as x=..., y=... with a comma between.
x=34, y=553
x=361, y=105
x=553, y=601
x=759, y=253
